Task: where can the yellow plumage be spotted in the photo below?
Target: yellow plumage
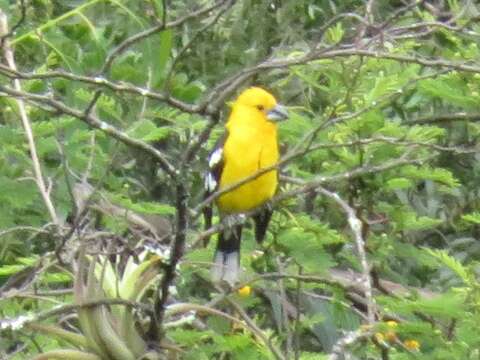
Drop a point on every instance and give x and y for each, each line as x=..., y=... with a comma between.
x=250, y=146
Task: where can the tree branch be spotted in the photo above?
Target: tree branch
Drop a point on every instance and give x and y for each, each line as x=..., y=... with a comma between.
x=356, y=227
x=10, y=59
x=446, y=118
x=96, y=123
x=23, y=15
x=305, y=187
x=155, y=29
x=349, y=339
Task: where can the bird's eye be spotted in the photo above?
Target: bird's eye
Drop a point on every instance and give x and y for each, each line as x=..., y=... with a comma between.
x=260, y=107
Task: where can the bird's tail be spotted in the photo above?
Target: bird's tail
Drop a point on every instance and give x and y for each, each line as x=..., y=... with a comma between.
x=261, y=220
x=226, y=263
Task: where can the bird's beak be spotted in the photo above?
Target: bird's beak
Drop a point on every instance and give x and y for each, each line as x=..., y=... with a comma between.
x=278, y=113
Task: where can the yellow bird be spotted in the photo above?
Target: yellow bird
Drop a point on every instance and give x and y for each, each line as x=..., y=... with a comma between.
x=249, y=144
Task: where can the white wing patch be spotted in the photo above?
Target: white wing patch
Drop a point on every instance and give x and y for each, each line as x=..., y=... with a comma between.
x=210, y=183
x=215, y=158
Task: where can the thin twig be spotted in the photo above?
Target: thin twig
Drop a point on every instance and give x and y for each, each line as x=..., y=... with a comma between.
x=183, y=50
x=99, y=81
x=96, y=123
x=21, y=321
x=356, y=227
x=286, y=320
x=23, y=16
x=297, y=327
x=275, y=351
x=10, y=59
x=350, y=338
x=446, y=118
x=164, y=12
x=176, y=250
x=153, y=30
x=308, y=186
x=33, y=229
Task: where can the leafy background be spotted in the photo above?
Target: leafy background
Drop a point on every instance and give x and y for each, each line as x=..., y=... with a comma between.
x=373, y=249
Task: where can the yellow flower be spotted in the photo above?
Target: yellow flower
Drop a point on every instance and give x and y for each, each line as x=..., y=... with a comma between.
x=244, y=291
x=411, y=344
x=391, y=336
x=392, y=324
x=379, y=337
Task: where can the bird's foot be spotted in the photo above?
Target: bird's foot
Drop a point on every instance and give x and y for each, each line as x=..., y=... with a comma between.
x=269, y=206
x=232, y=220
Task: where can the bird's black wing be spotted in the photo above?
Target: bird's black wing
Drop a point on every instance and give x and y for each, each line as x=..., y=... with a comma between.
x=216, y=163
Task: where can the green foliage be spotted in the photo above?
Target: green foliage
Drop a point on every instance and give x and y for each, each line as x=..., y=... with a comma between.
x=384, y=112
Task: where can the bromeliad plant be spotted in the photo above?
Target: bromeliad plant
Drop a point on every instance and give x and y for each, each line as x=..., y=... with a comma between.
x=106, y=299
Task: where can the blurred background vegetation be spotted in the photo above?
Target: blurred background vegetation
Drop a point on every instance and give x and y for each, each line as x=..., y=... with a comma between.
x=384, y=102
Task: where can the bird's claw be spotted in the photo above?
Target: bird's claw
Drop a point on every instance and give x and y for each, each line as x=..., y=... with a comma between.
x=230, y=221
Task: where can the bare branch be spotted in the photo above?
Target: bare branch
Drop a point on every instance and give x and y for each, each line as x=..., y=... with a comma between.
x=96, y=123
x=180, y=308
x=446, y=118
x=102, y=82
x=176, y=250
x=153, y=30
x=164, y=12
x=23, y=15
x=276, y=352
x=285, y=317
x=10, y=59
x=24, y=228
x=218, y=95
x=21, y=321
x=302, y=152
x=356, y=227
x=349, y=339
x=182, y=51
x=399, y=12
x=307, y=186
x=433, y=63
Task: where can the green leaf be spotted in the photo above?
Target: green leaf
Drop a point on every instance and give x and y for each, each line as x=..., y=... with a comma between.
x=383, y=85
x=398, y=183
x=306, y=248
x=453, y=264
x=161, y=56
x=6, y=270
x=335, y=33
x=18, y=194
x=144, y=206
x=440, y=175
x=451, y=94
x=472, y=217
x=146, y=130
x=312, y=356
x=445, y=306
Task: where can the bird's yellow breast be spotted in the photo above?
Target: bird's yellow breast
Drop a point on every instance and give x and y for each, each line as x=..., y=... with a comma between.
x=250, y=146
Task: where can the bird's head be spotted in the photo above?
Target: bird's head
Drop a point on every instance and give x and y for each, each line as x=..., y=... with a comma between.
x=263, y=102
